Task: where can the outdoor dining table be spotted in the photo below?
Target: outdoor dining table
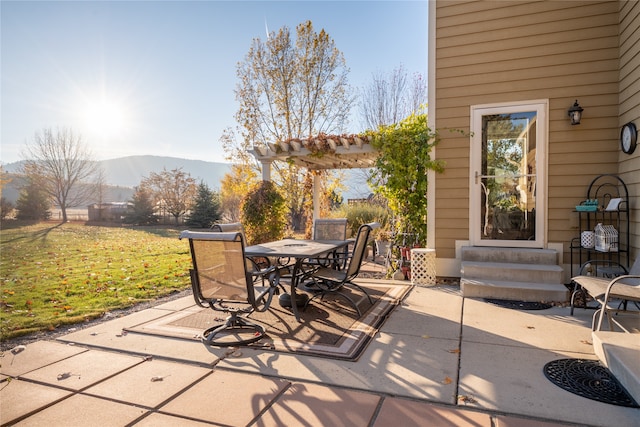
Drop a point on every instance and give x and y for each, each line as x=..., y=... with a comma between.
x=299, y=250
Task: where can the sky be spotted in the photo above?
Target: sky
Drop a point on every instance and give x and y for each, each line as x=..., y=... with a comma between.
x=158, y=77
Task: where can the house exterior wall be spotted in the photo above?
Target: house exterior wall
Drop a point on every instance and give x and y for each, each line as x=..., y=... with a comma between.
x=629, y=110
x=506, y=51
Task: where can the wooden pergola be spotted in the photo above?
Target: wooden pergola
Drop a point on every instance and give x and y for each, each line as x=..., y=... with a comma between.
x=322, y=152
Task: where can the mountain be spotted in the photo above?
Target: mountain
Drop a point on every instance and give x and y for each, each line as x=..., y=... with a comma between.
x=129, y=171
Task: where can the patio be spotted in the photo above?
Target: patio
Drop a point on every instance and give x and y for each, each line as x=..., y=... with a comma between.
x=439, y=359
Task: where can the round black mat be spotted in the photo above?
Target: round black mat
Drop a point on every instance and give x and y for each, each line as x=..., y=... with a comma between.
x=588, y=378
x=519, y=305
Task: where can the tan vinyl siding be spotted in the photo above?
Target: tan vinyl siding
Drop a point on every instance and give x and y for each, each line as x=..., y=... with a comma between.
x=629, y=109
x=505, y=51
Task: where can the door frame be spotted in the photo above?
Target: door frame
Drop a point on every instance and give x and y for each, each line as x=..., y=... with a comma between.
x=541, y=106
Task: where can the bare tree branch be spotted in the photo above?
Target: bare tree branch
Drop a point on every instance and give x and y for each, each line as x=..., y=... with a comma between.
x=63, y=166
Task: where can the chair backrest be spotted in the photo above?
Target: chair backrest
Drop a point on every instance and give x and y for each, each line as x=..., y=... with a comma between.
x=635, y=268
x=219, y=268
x=330, y=229
x=634, y=271
x=359, y=248
x=228, y=227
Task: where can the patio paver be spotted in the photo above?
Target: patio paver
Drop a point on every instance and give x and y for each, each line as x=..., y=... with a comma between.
x=20, y=398
x=227, y=398
x=83, y=370
x=80, y=410
x=150, y=383
x=35, y=356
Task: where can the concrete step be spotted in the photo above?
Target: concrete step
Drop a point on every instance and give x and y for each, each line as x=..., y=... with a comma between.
x=544, y=273
x=509, y=255
x=513, y=290
x=619, y=352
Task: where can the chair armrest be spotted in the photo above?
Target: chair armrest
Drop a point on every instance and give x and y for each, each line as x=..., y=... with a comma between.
x=619, y=288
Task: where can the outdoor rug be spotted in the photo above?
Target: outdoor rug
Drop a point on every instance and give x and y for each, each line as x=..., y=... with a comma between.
x=329, y=327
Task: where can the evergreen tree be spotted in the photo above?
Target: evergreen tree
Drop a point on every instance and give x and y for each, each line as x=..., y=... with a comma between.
x=33, y=203
x=206, y=209
x=143, y=210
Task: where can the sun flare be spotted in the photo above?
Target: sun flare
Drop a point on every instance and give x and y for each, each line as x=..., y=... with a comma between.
x=105, y=118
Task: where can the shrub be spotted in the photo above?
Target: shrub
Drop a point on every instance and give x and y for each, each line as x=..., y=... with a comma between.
x=363, y=213
x=263, y=212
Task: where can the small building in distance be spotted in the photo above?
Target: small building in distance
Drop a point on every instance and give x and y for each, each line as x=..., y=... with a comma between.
x=108, y=212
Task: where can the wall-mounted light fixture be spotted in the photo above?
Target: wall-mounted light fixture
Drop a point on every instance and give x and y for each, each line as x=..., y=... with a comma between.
x=575, y=113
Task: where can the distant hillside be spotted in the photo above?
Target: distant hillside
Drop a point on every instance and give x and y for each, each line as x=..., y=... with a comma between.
x=129, y=171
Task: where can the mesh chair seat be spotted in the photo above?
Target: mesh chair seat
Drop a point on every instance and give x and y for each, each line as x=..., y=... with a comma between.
x=604, y=290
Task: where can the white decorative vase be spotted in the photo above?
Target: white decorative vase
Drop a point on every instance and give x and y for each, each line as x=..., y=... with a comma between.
x=588, y=239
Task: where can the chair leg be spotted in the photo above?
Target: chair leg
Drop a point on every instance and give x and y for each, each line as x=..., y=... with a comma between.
x=235, y=325
x=322, y=291
x=347, y=297
x=579, y=290
x=361, y=289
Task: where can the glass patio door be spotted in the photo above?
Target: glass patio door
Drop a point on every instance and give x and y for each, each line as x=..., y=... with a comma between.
x=507, y=175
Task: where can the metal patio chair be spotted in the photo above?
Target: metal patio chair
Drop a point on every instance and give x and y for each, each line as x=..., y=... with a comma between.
x=223, y=279
x=329, y=229
x=611, y=293
x=326, y=280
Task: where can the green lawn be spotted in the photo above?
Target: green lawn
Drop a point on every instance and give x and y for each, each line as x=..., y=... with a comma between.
x=59, y=274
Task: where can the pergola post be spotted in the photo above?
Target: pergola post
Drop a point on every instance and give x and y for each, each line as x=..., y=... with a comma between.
x=266, y=171
x=316, y=196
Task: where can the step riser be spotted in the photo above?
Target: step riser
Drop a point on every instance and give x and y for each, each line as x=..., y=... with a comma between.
x=511, y=272
x=474, y=289
x=510, y=255
x=522, y=274
x=620, y=356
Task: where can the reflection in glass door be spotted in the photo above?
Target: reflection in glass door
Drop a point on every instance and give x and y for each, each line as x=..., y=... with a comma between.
x=505, y=179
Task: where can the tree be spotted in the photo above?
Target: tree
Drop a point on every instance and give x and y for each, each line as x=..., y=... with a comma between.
x=206, y=209
x=391, y=97
x=263, y=214
x=33, y=202
x=6, y=207
x=173, y=191
x=142, y=210
x=234, y=187
x=288, y=90
x=61, y=164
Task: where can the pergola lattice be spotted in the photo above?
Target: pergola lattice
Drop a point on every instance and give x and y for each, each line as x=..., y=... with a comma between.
x=322, y=152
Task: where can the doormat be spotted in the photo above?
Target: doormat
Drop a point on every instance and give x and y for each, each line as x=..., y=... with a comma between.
x=588, y=378
x=329, y=327
x=519, y=305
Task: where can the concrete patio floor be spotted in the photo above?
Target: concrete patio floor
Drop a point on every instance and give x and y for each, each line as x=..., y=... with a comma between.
x=439, y=360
